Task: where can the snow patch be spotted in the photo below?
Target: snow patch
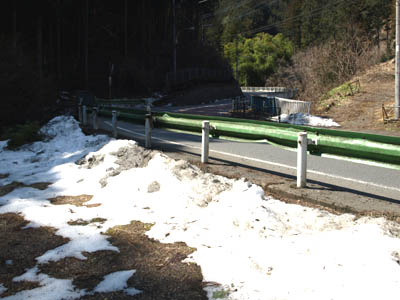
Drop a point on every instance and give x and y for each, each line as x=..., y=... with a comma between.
x=116, y=281
x=306, y=119
x=250, y=245
x=2, y=288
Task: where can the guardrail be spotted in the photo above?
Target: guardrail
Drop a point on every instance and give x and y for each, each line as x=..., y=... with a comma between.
x=344, y=143
x=271, y=91
x=120, y=103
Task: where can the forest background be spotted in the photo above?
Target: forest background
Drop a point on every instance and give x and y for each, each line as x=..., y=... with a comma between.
x=52, y=45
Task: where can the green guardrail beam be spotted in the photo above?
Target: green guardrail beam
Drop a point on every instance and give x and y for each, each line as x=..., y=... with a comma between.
x=344, y=143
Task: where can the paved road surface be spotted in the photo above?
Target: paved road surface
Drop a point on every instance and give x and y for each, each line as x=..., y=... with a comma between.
x=375, y=180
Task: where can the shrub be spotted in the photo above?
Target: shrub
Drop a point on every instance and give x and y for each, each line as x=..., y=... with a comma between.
x=22, y=134
x=259, y=57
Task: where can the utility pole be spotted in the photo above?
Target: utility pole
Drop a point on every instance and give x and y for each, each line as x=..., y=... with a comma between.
x=397, y=78
x=174, y=38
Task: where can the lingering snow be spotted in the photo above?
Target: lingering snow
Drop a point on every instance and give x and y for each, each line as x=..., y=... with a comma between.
x=116, y=281
x=2, y=288
x=50, y=288
x=306, y=119
x=252, y=246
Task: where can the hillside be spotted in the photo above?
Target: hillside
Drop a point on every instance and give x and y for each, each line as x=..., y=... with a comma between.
x=362, y=109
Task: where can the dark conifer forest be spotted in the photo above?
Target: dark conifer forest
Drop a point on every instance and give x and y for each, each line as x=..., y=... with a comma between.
x=53, y=45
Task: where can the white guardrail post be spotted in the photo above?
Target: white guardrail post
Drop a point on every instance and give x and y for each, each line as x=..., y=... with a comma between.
x=205, y=141
x=114, y=123
x=84, y=115
x=302, y=159
x=147, y=129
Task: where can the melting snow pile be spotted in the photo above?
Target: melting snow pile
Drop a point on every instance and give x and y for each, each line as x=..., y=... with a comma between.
x=253, y=246
x=306, y=119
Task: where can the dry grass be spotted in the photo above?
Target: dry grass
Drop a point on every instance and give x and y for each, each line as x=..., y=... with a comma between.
x=22, y=246
x=160, y=272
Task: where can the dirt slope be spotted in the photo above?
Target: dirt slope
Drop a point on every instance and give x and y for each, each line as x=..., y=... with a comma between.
x=362, y=111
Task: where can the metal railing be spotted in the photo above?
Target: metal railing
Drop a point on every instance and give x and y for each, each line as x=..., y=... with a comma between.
x=271, y=91
x=289, y=106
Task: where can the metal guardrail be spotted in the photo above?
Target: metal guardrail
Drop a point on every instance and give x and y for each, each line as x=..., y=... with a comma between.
x=350, y=144
x=120, y=103
x=269, y=105
x=271, y=91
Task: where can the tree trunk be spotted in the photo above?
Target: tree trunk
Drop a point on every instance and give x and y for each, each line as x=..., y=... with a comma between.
x=14, y=26
x=126, y=28
x=86, y=42
x=58, y=46
x=40, y=47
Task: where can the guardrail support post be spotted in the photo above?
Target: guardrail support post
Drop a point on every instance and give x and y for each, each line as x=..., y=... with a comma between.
x=84, y=115
x=114, y=123
x=302, y=159
x=147, y=128
x=95, y=121
x=205, y=141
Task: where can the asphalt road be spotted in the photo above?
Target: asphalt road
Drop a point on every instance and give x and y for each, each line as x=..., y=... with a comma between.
x=370, y=179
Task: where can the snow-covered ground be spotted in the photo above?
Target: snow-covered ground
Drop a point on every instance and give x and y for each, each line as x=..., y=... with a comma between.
x=254, y=246
x=306, y=119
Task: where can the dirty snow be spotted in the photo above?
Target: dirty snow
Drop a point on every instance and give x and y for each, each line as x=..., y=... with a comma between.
x=306, y=119
x=250, y=245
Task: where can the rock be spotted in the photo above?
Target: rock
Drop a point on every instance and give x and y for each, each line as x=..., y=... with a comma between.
x=129, y=157
x=91, y=161
x=133, y=157
x=153, y=187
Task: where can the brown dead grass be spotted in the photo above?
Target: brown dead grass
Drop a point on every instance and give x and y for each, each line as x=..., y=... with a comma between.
x=79, y=200
x=363, y=111
x=160, y=272
x=22, y=246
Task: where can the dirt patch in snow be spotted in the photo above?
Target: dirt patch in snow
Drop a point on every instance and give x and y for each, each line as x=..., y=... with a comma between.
x=79, y=200
x=160, y=272
x=8, y=188
x=18, y=249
